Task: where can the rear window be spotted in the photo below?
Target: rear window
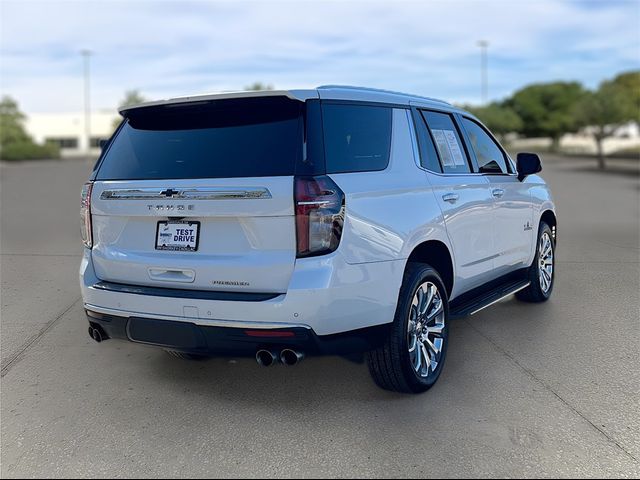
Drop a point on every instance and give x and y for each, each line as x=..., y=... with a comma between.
x=357, y=138
x=254, y=137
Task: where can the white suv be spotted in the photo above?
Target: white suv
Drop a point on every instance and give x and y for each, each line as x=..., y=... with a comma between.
x=337, y=220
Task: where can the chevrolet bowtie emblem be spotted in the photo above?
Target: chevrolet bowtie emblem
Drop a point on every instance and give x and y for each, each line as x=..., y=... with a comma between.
x=169, y=192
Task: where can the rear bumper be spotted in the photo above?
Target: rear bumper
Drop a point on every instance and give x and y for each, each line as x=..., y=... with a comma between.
x=226, y=341
x=326, y=296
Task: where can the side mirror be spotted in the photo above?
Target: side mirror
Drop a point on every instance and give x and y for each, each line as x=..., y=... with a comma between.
x=528, y=164
x=103, y=143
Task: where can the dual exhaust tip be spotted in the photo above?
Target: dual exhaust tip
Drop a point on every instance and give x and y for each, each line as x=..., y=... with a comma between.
x=288, y=357
x=97, y=334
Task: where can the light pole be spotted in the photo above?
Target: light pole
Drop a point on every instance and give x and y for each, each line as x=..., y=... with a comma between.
x=86, y=54
x=484, y=78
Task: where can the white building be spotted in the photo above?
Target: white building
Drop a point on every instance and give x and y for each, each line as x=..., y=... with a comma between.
x=68, y=130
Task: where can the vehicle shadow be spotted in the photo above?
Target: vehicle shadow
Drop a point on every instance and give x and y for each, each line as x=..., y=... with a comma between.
x=242, y=381
x=319, y=381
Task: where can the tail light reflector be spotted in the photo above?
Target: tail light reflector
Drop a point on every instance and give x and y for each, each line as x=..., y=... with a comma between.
x=269, y=334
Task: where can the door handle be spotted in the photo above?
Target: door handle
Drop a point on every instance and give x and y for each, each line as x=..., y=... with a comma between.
x=497, y=192
x=450, y=197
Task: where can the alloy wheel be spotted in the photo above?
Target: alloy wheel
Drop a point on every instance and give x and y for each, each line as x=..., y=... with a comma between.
x=425, y=329
x=545, y=262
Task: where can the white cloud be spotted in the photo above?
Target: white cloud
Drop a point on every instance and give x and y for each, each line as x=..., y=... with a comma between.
x=173, y=48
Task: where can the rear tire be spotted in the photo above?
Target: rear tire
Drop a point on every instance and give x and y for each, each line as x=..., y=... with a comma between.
x=542, y=271
x=186, y=356
x=412, y=357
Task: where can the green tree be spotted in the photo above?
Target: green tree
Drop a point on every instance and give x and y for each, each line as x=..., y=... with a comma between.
x=603, y=111
x=11, y=122
x=498, y=118
x=131, y=98
x=15, y=142
x=255, y=86
x=629, y=83
x=548, y=110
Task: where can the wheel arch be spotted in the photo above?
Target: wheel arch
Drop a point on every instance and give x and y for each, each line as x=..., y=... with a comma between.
x=549, y=217
x=436, y=254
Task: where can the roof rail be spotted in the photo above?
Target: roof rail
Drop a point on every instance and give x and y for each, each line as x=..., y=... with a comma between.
x=380, y=90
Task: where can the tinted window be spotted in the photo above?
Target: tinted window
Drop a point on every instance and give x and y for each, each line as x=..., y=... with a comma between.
x=227, y=138
x=453, y=158
x=313, y=160
x=490, y=157
x=357, y=138
x=428, y=154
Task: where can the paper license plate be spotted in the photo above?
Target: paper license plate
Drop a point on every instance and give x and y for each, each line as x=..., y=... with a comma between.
x=178, y=235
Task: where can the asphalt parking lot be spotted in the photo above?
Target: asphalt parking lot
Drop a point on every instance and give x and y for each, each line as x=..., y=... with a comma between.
x=547, y=390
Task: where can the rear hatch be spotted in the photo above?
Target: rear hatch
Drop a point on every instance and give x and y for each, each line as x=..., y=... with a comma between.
x=200, y=196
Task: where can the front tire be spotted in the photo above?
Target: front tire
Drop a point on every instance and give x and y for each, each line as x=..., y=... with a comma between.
x=412, y=357
x=541, y=273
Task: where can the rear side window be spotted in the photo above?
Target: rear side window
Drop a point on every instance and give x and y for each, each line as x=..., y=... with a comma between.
x=428, y=154
x=490, y=157
x=357, y=138
x=255, y=137
x=453, y=158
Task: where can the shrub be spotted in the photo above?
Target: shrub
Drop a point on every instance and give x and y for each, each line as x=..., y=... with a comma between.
x=27, y=150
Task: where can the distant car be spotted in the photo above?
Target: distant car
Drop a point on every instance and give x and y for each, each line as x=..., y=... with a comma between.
x=338, y=220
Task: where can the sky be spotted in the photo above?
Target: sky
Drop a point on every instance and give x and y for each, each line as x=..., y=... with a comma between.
x=172, y=48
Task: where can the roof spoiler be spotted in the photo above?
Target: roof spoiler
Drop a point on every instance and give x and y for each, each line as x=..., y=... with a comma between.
x=300, y=95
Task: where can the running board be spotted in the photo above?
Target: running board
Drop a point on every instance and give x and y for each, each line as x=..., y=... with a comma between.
x=486, y=299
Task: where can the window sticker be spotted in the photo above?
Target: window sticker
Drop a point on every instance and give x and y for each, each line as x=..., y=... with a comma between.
x=454, y=146
x=443, y=148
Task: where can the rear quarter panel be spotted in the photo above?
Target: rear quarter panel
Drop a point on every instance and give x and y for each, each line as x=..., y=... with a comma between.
x=389, y=212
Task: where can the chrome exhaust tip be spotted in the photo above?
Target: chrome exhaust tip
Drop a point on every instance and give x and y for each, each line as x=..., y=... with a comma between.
x=95, y=334
x=265, y=358
x=290, y=357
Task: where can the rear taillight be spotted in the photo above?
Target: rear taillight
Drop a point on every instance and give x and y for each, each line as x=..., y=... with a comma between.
x=85, y=215
x=319, y=215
